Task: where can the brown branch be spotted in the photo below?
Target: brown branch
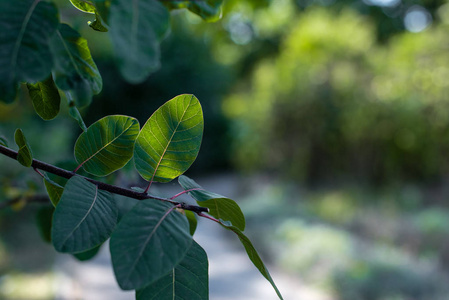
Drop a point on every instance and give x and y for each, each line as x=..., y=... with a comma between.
x=37, y=164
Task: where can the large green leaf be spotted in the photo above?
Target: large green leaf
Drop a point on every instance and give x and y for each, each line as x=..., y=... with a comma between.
x=219, y=206
x=74, y=68
x=107, y=145
x=45, y=98
x=84, y=217
x=24, y=156
x=252, y=254
x=25, y=29
x=209, y=10
x=170, y=140
x=136, y=29
x=188, y=280
x=149, y=241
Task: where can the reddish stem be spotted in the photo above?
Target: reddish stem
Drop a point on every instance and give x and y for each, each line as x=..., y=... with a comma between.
x=183, y=192
x=208, y=217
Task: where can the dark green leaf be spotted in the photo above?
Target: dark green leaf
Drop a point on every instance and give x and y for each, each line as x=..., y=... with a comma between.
x=74, y=68
x=97, y=24
x=107, y=145
x=3, y=141
x=45, y=98
x=86, y=255
x=219, y=206
x=193, y=222
x=170, y=140
x=25, y=29
x=25, y=156
x=188, y=280
x=136, y=30
x=209, y=10
x=84, y=217
x=75, y=114
x=148, y=243
x=252, y=254
x=44, y=218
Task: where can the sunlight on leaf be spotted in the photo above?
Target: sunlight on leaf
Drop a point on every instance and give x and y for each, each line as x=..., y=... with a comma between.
x=107, y=145
x=170, y=140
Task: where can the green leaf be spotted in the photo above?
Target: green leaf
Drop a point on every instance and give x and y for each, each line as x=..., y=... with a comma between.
x=252, y=254
x=45, y=98
x=188, y=280
x=193, y=222
x=90, y=8
x=136, y=30
x=26, y=27
x=84, y=5
x=74, y=68
x=219, y=206
x=3, y=141
x=44, y=218
x=170, y=140
x=25, y=156
x=149, y=241
x=84, y=217
x=54, y=191
x=107, y=145
x=209, y=10
x=86, y=255
x=75, y=114
x=97, y=25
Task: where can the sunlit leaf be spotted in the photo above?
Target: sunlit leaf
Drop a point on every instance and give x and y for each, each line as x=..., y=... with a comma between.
x=136, y=30
x=193, y=222
x=149, y=241
x=252, y=254
x=45, y=98
x=74, y=68
x=107, y=145
x=219, y=206
x=24, y=156
x=188, y=280
x=90, y=8
x=170, y=140
x=25, y=29
x=54, y=190
x=84, y=5
x=84, y=217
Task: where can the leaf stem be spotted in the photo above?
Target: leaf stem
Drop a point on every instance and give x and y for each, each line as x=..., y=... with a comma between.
x=37, y=164
x=183, y=192
x=208, y=217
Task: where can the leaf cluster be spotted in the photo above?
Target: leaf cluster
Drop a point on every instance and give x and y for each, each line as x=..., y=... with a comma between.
x=151, y=244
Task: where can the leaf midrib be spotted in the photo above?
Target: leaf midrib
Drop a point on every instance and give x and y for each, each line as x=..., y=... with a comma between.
x=171, y=138
x=106, y=145
x=156, y=227
x=85, y=216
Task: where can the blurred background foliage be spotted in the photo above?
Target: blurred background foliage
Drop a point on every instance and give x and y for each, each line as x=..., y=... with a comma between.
x=332, y=117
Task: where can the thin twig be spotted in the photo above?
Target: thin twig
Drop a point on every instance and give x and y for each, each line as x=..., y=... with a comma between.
x=37, y=164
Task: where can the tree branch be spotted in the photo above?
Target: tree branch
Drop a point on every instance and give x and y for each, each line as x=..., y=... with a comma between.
x=37, y=164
